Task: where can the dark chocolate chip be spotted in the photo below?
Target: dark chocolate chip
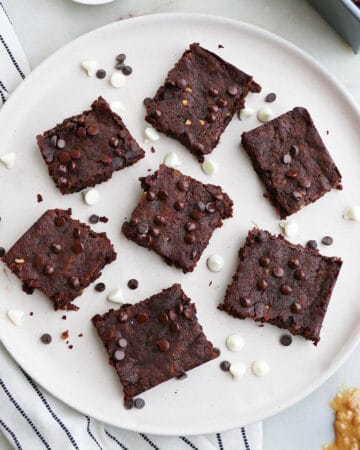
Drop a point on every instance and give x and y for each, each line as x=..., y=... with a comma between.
x=129, y=404
x=213, y=108
x=211, y=118
x=143, y=228
x=60, y=143
x=294, y=150
x=270, y=97
x=327, y=240
x=195, y=214
x=201, y=206
x=92, y=130
x=46, y=338
x=81, y=132
x=293, y=263
x=225, y=366
x=190, y=226
x=189, y=239
x=139, y=403
x=299, y=275
x=213, y=92
x=94, y=218
x=39, y=198
x=163, y=195
x=179, y=309
x=133, y=283
x=174, y=327
x=311, y=244
x=62, y=181
x=39, y=261
x=119, y=355
x=78, y=247
x=172, y=315
x=232, y=91
x=74, y=282
x=154, y=232
x=260, y=237
x=297, y=195
x=264, y=261
x=76, y=233
x=100, y=287
x=160, y=220
x=2, y=252
x=179, y=206
x=53, y=140
x=216, y=350
x=150, y=196
x=62, y=169
x=101, y=73
x=142, y=318
x=222, y=102
x=163, y=318
x=286, y=159
x=163, y=345
x=285, y=340
x=55, y=248
x=292, y=174
x=262, y=285
x=157, y=112
x=73, y=167
x=278, y=272
x=211, y=207
x=295, y=307
x=121, y=57
x=181, y=83
x=245, y=302
x=147, y=100
x=305, y=183
x=285, y=289
x=127, y=70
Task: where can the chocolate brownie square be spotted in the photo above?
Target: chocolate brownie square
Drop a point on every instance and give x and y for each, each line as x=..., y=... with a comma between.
x=198, y=100
x=291, y=159
x=154, y=340
x=282, y=283
x=176, y=216
x=86, y=149
x=60, y=256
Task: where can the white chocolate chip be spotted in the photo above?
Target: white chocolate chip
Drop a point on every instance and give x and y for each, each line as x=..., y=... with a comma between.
x=237, y=370
x=90, y=66
x=234, y=342
x=151, y=134
x=8, y=159
x=245, y=113
x=352, y=213
x=265, y=114
x=117, y=107
x=260, y=368
x=91, y=196
x=215, y=263
x=171, y=160
x=118, y=79
x=116, y=296
x=290, y=228
x=16, y=316
x=209, y=167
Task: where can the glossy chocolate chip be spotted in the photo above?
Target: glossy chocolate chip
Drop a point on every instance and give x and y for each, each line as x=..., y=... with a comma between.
x=181, y=83
x=64, y=157
x=133, y=284
x=74, y=282
x=311, y=244
x=162, y=195
x=127, y=70
x=81, y=132
x=163, y=318
x=189, y=238
x=163, y=345
x=222, y=102
x=154, y=232
x=183, y=185
x=213, y=92
x=245, y=302
x=142, y=318
x=100, y=287
x=55, y=248
x=139, y=403
x=150, y=196
x=225, y=366
x=291, y=174
x=213, y=108
x=121, y=57
x=53, y=140
x=114, y=142
x=304, y=183
x=211, y=118
x=195, y=214
x=299, y=275
x=260, y=237
x=39, y=261
x=78, y=247
x=294, y=150
x=159, y=220
x=94, y=218
x=129, y=404
x=73, y=167
x=92, y=130
x=122, y=316
x=62, y=181
x=190, y=226
x=264, y=261
x=122, y=342
x=62, y=169
x=76, y=233
x=179, y=206
x=285, y=340
x=285, y=289
x=293, y=263
x=60, y=143
x=262, y=285
x=232, y=91
x=101, y=73
x=270, y=97
x=49, y=270
x=295, y=307
x=174, y=327
x=297, y=195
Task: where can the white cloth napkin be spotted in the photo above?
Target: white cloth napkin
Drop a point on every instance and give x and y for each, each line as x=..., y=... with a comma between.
x=30, y=418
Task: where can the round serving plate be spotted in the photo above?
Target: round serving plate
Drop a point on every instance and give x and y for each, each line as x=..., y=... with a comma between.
x=208, y=400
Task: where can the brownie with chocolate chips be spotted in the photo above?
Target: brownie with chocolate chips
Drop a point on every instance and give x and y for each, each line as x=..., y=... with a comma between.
x=282, y=283
x=154, y=340
x=198, y=99
x=291, y=159
x=177, y=216
x=86, y=149
x=60, y=256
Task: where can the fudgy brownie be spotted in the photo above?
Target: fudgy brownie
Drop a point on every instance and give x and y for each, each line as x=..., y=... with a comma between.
x=86, y=149
x=284, y=284
x=60, y=256
x=292, y=161
x=176, y=216
x=198, y=100
x=154, y=340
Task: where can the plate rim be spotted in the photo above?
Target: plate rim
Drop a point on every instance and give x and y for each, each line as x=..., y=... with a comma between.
x=294, y=50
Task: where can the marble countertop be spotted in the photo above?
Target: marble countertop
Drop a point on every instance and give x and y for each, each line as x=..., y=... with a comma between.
x=45, y=25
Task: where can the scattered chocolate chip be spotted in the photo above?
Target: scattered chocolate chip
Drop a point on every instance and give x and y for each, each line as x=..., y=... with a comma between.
x=62, y=181
x=78, y=247
x=293, y=263
x=260, y=237
x=159, y=220
x=211, y=207
x=129, y=404
x=60, y=143
x=163, y=345
x=75, y=154
x=264, y=261
x=38, y=262
x=327, y=240
x=92, y=130
x=190, y=226
x=162, y=195
x=73, y=167
x=213, y=108
x=163, y=318
x=63, y=317
x=139, y=403
x=232, y=90
x=100, y=287
x=152, y=149
x=2, y=252
x=70, y=347
x=220, y=46
x=181, y=83
x=292, y=174
x=133, y=283
x=142, y=318
x=245, y=302
x=55, y=248
x=294, y=150
x=195, y=214
x=80, y=335
x=311, y=244
x=211, y=118
x=299, y=275
x=214, y=92
x=62, y=169
x=121, y=57
x=64, y=157
x=154, y=232
x=64, y=335
x=39, y=198
x=285, y=289
x=31, y=313
x=127, y=70
x=189, y=238
x=297, y=195
x=304, y=182
x=29, y=290
x=150, y=196
x=222, y=102
x=262, y=285
x=76, y=233
x=172, y=315
x=147, y=100
x=270, y=97
x=179, y=206
x=285, y=340
x=286, y=159
x=74, y=282
x=174, y=327
x=295, y=307
x=278, y=272
x=49, y=270
x=179, y=309
x=94, y=218
x=81, y=132
x=53, y=140
x=101, y=73
x=216, y=350
x=46, y=338
x=225, y=366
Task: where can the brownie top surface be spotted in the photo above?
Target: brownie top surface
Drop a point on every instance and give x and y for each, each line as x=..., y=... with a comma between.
x=177, y=215
x=158, y=339
x=199, y=97
x=59, y=256
x=86, y=149
x=282, y=283
x=292, y=160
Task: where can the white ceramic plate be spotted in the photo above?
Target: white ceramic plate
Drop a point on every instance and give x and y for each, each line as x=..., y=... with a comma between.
x=208, y=400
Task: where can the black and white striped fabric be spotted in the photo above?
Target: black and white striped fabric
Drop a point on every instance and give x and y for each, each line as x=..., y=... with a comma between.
x=30, y=418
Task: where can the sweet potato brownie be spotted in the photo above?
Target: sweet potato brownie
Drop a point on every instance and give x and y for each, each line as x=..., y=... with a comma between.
x=198, y=100
x=60, y=256
x=86, y=149
x=154, y=340
x=292, y=161
x=176, y=216
x=284, y=284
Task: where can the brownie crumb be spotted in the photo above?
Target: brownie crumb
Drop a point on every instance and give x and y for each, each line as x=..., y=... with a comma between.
x=29, y=290
x=152, y=150
x=220, y=46
x=80, y=335
x=63, y=317
x=210, y=283
x=70, y=347
x=65, y=335
x=39, y=198
x=104, y=219
x=225, y=366
x=31, y=313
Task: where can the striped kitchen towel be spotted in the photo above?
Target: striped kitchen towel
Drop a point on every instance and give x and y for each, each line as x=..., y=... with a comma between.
x=30, y=418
